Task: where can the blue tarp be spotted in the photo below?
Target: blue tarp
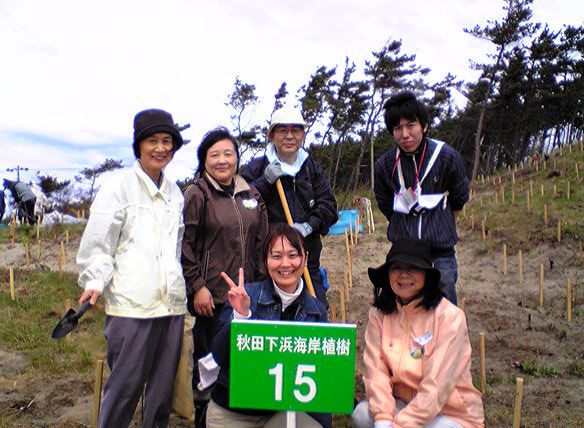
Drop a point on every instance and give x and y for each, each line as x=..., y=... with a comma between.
x=345, y=217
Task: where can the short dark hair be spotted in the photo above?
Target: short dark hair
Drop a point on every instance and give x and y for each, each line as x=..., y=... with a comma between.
x=283, y=231
x=210, y=138
x=404, y=105
x=385, y=299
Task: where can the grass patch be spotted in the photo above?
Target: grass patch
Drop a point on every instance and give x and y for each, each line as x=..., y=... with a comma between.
x=494, y=378
x=27, y=234
x=481, y=252
x=533, y=369
x=576, y=368
x=28, y=322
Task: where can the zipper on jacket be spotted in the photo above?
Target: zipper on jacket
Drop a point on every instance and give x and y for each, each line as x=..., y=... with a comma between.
x=241, y=238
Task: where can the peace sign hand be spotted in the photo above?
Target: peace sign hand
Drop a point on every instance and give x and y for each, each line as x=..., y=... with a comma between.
x=237, y=295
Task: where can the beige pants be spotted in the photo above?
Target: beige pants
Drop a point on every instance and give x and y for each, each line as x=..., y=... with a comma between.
x=220, y=417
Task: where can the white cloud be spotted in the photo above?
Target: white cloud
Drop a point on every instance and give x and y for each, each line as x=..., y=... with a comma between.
x=79, y=71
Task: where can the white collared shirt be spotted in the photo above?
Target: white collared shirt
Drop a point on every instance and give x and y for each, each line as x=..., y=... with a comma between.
x=130, y=249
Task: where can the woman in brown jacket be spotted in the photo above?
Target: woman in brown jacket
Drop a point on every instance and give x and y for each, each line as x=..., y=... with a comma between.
x=225, y=226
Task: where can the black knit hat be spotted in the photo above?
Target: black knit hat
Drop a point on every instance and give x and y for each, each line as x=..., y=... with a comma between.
x=414, y=252
x=151, y=121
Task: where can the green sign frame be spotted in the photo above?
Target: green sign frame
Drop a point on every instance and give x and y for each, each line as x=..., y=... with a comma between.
x=292, y=366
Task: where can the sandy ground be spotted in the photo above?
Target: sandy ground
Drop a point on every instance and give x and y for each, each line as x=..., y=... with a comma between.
x=506, y=310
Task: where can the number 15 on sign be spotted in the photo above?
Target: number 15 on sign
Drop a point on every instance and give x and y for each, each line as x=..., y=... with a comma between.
x=292, y=366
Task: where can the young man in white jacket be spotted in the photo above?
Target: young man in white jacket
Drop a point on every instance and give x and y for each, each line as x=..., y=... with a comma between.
x=130, y=253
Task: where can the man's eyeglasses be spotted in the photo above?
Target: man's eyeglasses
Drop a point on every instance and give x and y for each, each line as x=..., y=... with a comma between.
x=282, y=131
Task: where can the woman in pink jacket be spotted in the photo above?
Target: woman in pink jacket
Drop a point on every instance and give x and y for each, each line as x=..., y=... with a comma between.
x=417, y=351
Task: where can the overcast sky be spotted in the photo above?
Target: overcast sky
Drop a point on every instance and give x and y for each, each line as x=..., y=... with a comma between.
x=75, y=72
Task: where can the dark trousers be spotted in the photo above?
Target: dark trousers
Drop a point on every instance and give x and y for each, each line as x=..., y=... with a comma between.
x=448, y=267
x=26, y=211
x=203, y=334
x=140, y=351
x=314, y=248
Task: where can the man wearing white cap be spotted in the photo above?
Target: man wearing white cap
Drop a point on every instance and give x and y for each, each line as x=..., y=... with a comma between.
x=308, y=192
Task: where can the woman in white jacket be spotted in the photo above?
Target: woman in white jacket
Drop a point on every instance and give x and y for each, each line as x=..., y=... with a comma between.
x=130, y=253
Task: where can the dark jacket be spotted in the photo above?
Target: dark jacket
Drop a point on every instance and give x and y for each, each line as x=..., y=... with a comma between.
x=222, y=234
x=448, y=174
x=309, y=195
x=265, y=305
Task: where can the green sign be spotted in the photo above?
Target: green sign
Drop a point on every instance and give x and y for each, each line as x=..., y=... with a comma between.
x=298, y=366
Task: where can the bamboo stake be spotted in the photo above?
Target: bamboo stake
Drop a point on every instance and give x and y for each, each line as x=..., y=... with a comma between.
x=484, y=230
x=559, y=230
x=569, y=300
x=483, y=363
x=528, y=203
x=343, y=308
x=531, y=188
x=517, y=406
x=545, y=214
x=63, y=253
x=464, y=211
x=472, y=222
x=505, y=259
x=521, y=266
x=349, y=258
x=513, y=178
x=542, y=190
x=351, y=232
x=347, y=287
x=502, y=194
x=541, y=278
x=11, y=274
x=483, y=179
x=512, y=195
x=357, y=228
x=97, y=393
x=27, y=255
x=568, y=190
x=67, y=235
x=372, y=219
x=555, y=189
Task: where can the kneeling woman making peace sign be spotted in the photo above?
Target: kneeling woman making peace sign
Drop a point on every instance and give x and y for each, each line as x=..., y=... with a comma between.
x=281, y=297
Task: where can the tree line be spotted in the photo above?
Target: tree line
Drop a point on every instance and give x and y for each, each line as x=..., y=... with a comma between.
x=528, y=99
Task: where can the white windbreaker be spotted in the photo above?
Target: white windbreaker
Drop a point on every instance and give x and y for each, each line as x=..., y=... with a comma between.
x=130, y=249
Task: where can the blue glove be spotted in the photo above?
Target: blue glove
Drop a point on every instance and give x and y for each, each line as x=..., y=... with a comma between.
x=273, y=171
x=303, y=228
